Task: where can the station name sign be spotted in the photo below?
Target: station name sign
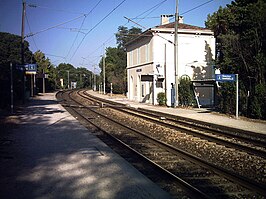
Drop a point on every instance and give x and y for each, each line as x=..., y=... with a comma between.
x=225, y=77
x=30, y=68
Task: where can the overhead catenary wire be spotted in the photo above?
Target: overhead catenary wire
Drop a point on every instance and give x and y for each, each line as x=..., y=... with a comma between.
x=180, y=14
x=32, y=34
x=96, y=26
x=31, y=31
x=112, y=37
x=58, y=10
x=149, y=30
x=196, y=7
x=183, y=13
x=82, y=26
x=150, y=10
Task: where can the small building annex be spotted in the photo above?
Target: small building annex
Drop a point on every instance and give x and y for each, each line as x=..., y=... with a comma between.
x=150, y=61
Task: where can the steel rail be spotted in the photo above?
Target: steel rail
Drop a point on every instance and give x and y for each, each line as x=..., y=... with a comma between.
x=191, y=190
x=250, y=184
x=197, y=133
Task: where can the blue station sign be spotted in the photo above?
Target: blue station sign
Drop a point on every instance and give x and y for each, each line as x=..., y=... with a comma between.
x=30, y=68
x=225, y=77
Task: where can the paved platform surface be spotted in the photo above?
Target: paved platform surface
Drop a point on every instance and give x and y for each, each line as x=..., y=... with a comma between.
x=256, y=126
x=50, y=155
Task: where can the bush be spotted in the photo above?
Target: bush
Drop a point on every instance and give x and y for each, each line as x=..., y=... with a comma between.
x=185, y=92
x=161, y=98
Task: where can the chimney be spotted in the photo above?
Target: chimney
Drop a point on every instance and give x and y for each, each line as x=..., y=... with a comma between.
x=164, y=19
x=180, y=19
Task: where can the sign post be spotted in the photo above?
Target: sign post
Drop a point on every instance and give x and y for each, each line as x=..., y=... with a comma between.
x=31, y=69
x=11, y=89
x=229, y=78
x=237, y=96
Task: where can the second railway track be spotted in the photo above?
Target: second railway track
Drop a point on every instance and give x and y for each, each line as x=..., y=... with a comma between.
x=209, y=179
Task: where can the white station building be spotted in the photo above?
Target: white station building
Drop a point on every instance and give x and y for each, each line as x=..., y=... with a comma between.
x=150, y=62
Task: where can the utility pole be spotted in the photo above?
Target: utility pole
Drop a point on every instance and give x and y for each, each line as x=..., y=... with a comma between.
x=68, y=79
x=104, y=74
x=94, y=79
x=176, y=55
x=11, y=89
x=43, y=81
x=22, y=47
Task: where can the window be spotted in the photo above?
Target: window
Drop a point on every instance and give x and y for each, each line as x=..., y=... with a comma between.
x=147, y=52
x=131, y=58
x=138, y=56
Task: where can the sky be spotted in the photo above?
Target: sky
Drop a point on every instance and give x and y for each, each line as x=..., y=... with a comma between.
x=78, y=31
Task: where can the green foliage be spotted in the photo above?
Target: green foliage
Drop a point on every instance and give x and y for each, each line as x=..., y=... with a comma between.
x=240, y=29
x=10, y=52
x=45, y=66
x=10, y=49
x=161, y=98
x=115, y=69
x=185, y=92
x=227, y=98
x=125, y=35
x=258, y=102
x=116, y=61
x=82, y=76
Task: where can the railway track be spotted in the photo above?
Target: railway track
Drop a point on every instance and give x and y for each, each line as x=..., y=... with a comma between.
x=229, y=137
x=198, y=176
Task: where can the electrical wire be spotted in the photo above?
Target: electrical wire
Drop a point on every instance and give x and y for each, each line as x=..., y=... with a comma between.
x=96, y=26
x=196, y=7
x=76, y=36
x=82, y=26
x=58, y=10
x=32, y=34
x=192, y=9
x=152, y=9
x=31, y=31
x=180, y=14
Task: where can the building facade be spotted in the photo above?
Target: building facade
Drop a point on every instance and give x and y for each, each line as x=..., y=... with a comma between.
x=150, y=61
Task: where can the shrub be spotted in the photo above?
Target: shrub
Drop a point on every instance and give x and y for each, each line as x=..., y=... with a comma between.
x=185, y=92
x=161, y=98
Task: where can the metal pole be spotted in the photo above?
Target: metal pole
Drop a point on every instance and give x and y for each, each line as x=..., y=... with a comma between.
x=34, y=82
x=68, y=79
x=43, y=81
x=104, y=74
x=176, y=55
x=22, y=47
x=153, y=90
x=11, y=89
x=165, y=83
x=94, y=86
x=32, y=85
x=237, y=96
x=111, y=89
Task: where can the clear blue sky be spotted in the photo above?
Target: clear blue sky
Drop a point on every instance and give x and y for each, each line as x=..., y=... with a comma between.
x=84, y=48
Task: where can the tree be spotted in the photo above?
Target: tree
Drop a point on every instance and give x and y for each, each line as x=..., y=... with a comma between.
x=84, y=77
x=185, y=91
x=124, y=35
x=116, y=60
x=115, y=64
x=240, y=32
x=64, y=71
x=10, y=52
x=44, y=66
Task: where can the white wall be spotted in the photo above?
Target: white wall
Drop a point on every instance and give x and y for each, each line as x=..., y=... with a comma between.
x=191, y=48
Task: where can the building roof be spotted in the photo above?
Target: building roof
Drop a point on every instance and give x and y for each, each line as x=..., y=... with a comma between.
x=181, y=26
x=169, y=28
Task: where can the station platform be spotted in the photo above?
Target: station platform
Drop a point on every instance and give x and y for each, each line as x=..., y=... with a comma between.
x=49, y=154
x=201, y=114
